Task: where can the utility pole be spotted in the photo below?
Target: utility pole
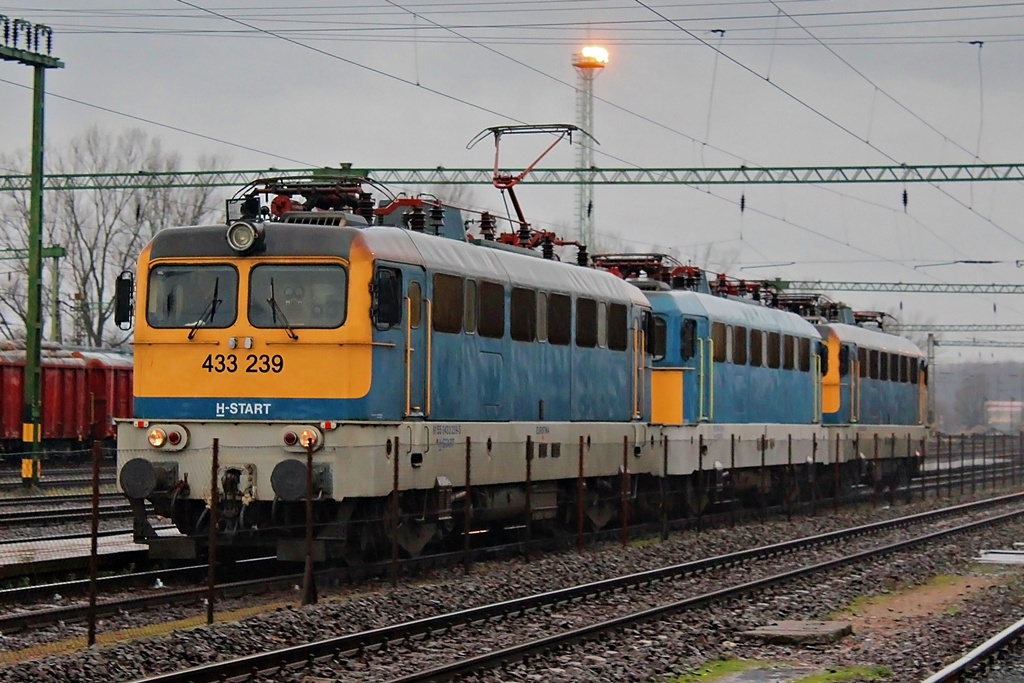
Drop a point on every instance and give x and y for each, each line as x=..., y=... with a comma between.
x=18, y=32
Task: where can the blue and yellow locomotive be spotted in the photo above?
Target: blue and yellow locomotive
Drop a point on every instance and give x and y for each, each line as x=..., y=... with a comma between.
x=400, y=351
x=375, y=334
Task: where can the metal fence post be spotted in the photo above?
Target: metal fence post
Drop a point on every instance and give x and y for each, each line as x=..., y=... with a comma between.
x=97, y=453
x=962, y=465
x=984, y=463
x=211, y=578
x=949, y=466
x=394, y=515
x=467, y=510
x=732, y=479
x=529, y=497
x=579, y=501
x=762, y=501
x=700, y=481
x=624, y=494
x=938, y=466
x=974, y=474
x=308, y=577
x=874, y=474
x=837, y=483
x=894, y=479
x=910, y=488
x=814, y=474
x=664, y=489
x=790, y=479
x=924, y=461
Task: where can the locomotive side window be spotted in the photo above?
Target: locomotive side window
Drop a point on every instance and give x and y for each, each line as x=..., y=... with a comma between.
x=492, y=310
x=524, y=314
x=469, y=322
x=756, y=347
x=883, y=366
x=602, y=325
x=773, y=349
x=873, y=365
x=862, y=360
x=788, y=344
x=586, y=323
x=913, y=371
x=894, y=367
x=719, y=335
x=739, y=345
x=307, y=295
x=187, y=296
x=448, y=303
x=659, y=338
x=415, y=304
x=618, y=329
x=904, y=369
x=559, y=319
x=805, y=354
x=689, y=339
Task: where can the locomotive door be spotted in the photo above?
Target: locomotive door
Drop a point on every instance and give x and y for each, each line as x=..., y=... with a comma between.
x=417, y=346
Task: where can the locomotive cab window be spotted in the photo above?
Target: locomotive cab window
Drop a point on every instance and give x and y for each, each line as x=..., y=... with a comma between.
x=470, y=318
x=286, y=296
x=192, y=296
x=542, y=316
x=862, y=361
x=805, y=354
x=659, y=338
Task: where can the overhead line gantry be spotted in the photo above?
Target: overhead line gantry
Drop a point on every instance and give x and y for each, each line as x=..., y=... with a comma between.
x=738, y=175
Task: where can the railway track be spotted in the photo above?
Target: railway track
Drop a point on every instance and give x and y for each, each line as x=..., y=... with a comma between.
x=267, y=663
x=50, y=483
x=977, y=659
x=71, y=514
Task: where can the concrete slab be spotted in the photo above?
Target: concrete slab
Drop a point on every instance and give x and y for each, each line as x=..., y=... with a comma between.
x=799, y=632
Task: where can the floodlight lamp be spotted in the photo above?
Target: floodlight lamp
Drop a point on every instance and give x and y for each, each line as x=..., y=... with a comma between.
x=595, y=54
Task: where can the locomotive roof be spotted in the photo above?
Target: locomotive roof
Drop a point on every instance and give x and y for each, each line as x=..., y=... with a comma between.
x=464, y=259
x=873, y=339
x=732, y=312
x=404, y=246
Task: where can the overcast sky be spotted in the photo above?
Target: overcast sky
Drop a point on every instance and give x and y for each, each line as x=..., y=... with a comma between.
x=408, y=83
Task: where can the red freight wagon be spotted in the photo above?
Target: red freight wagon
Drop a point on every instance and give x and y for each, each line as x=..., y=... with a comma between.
x=110, y=389
x=82, y=391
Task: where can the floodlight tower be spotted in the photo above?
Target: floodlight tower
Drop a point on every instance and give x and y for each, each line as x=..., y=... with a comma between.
x=588, y=63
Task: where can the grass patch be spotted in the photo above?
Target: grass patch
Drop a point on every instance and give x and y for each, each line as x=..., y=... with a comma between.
x=709, y=671
x=645, y=542
x=855, y=673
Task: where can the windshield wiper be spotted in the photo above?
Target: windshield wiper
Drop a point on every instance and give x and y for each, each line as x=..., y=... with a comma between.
x=211, y=308
x=275, y=310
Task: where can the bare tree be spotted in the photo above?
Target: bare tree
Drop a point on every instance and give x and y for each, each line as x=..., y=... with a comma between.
x=103, y=230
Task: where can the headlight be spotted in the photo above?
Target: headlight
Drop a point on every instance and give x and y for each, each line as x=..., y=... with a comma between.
x=243, y=236
x=157, y=437
x=308, y=437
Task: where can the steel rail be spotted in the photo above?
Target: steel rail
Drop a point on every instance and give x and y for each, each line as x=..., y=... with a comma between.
x=541, y=645
x=69, y=537
x=62, y=498
x=958, y=670
x=253, y=664
x=67, y=515
x=45, y=483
